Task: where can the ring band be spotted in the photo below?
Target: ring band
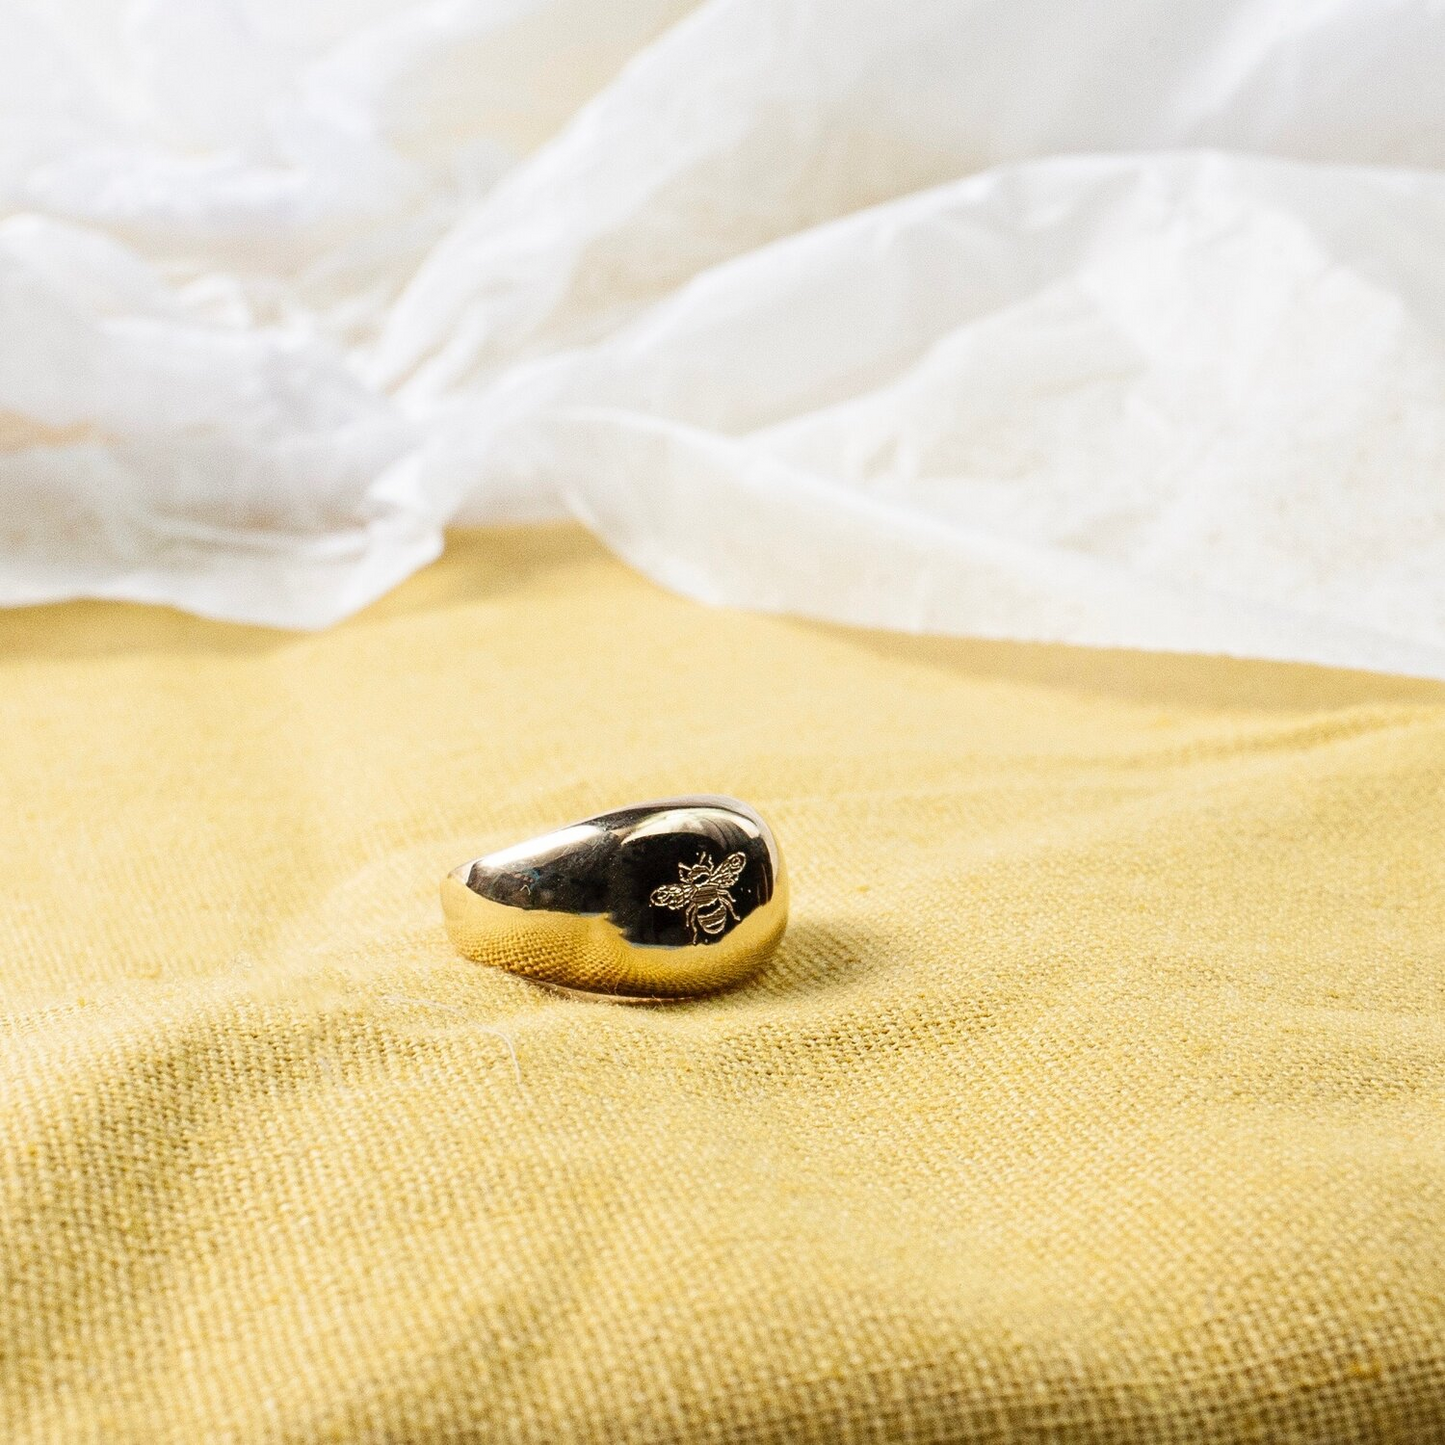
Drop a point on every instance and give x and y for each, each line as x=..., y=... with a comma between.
x=660, y=900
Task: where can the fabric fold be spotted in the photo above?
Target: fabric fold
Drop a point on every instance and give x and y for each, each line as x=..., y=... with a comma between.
x=1155, y=292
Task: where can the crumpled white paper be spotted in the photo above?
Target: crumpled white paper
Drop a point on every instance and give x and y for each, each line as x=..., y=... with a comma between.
x=1120, y=325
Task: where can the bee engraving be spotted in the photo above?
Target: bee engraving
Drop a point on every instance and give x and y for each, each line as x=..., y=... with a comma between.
x=704, y=893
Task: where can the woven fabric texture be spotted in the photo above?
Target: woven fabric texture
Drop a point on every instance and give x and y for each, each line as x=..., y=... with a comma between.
x=1097, y=1093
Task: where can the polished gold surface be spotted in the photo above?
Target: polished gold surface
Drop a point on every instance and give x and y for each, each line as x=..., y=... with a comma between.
x=660, y=900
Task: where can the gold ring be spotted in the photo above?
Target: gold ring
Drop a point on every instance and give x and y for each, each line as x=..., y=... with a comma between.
x=661, y=900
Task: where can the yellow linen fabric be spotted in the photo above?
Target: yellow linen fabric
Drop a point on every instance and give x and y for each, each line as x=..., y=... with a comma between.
x=1096, y=1094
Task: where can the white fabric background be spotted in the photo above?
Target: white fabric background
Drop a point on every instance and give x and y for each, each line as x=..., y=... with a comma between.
x=1116, y=323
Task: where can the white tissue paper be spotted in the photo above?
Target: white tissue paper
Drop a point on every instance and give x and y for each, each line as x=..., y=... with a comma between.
x=1119, y=324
